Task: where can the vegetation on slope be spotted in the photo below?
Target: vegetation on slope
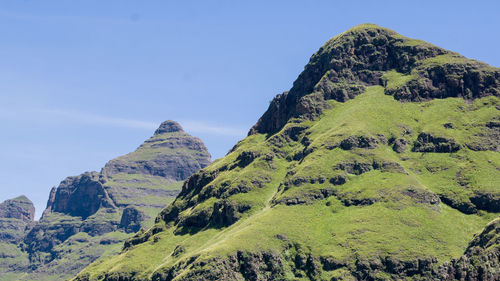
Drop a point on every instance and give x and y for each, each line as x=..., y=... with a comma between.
x=372, y=167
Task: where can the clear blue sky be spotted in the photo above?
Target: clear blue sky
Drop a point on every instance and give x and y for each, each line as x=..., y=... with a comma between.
x=82, y=82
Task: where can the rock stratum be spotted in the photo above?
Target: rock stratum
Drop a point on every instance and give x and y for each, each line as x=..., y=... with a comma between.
x=381, y=163
x=90, y=215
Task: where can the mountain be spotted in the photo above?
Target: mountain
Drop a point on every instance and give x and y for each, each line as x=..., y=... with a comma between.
x=90, y=215
x=16, y=217
x=381, y=163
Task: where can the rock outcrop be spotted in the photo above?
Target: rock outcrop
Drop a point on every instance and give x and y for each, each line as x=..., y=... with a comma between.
x=80, y=196
x=131, y=219
x=428, y=143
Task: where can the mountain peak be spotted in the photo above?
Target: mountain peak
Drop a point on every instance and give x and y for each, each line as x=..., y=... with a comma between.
x=168, y=126
x=18, y=208
x=367, y=55
x=22, y=198
x=172, y=156
x=366, y=26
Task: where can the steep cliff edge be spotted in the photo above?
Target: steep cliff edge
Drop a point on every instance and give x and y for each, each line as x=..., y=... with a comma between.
x=381, y=163
x=90, y=215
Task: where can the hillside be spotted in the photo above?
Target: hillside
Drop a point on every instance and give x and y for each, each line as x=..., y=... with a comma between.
x=381, y=163
x=90, y=215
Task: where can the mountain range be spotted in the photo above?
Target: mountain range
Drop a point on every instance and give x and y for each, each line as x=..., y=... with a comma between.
x=380, y=163
x=90, y=215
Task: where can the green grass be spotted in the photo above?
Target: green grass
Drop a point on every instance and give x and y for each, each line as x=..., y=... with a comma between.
x=396, y=225
x=12, y=256
x=396, y=80
x=446, y=59
x=142, y=189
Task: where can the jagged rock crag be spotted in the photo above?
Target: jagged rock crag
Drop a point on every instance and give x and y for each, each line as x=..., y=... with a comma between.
x=91, y=214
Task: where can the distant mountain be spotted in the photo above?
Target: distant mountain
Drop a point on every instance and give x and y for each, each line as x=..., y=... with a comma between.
x=16, y=217
x=90, y=215
x=381, y=163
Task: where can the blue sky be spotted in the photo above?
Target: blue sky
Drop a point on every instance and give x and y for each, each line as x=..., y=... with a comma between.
x=82, y=82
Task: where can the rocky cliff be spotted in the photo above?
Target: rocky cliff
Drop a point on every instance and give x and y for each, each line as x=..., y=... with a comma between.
x=16, y=216
x=380, y=163
x=90, y=215
x=20, y=208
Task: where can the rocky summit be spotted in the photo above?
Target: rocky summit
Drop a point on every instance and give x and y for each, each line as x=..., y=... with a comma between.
x=169, y=153
x=20, y=208
x=381, y=163
x=90, y=215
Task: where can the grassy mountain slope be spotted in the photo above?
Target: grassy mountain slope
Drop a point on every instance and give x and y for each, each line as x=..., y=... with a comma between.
x=380, y=163
x=89, y=216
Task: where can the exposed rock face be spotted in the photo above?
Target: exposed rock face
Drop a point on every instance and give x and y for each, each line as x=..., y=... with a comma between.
x=18, y=208
x=80, y=196
x=168, y=126
x=16, y=217
x=89, y=214
x=358, y=141
x=399, y=145
x=429, y=143
x=131, y=219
